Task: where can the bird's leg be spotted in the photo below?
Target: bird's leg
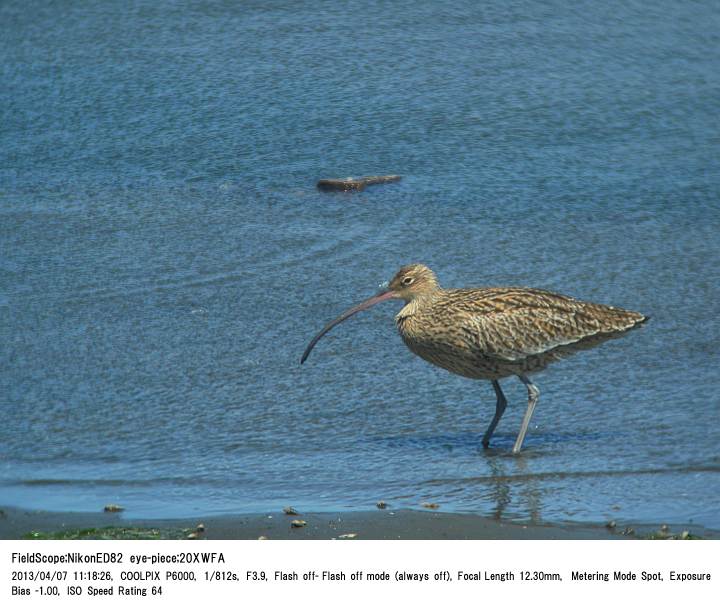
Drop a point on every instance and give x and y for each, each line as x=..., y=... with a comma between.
x=499, y=409
x=533, y=394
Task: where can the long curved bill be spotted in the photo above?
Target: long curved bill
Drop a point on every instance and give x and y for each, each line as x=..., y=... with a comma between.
x=380, y=297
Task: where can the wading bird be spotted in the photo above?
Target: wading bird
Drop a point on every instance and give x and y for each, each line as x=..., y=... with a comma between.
x=493, y=333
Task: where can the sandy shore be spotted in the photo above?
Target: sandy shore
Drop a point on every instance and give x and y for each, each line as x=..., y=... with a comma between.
x=379, y=524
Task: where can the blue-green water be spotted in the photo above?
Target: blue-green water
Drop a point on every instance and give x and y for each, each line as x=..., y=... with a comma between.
x=165, y=256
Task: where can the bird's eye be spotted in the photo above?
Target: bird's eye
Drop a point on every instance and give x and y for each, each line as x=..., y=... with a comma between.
x=408, y=280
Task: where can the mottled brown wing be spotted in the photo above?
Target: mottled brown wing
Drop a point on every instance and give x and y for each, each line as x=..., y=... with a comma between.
x=515, y=323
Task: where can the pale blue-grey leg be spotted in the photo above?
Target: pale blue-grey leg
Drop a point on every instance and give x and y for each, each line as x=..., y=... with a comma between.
x=533, y=394
x=499, y=409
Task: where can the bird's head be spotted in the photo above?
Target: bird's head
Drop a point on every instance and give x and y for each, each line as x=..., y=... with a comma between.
x=410, y=282
x=413, y=280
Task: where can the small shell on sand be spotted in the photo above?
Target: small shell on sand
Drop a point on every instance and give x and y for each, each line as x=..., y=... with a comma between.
x=290, y=511
x=430, y=506
x=298, y=523
x=111, y=507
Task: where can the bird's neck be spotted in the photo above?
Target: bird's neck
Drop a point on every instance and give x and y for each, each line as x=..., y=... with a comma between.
x=418, y=304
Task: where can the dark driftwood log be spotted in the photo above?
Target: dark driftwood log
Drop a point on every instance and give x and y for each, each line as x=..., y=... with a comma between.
x=346, y=184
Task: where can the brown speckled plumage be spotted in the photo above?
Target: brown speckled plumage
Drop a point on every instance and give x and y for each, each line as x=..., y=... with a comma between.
x=493, y=333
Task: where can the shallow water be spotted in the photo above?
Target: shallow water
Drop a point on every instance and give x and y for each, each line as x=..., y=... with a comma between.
x=166, y=257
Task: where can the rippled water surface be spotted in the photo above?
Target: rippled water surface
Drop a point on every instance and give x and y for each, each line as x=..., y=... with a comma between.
x=165, y=256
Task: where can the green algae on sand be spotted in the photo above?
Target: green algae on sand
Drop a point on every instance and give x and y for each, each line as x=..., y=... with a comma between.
x=111, y=532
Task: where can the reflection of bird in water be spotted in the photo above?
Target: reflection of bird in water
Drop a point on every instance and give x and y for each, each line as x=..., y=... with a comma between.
x=500, y=495
x=493, y=333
